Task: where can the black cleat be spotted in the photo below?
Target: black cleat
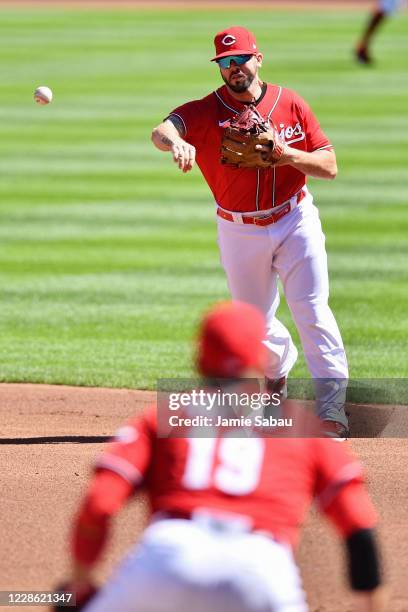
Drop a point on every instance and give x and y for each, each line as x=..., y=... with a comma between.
x=362, y=56
x=335, y=430
x=277, y=385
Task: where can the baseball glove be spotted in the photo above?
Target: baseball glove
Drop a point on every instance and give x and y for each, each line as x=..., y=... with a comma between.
x=83, y=596
x=250, y=142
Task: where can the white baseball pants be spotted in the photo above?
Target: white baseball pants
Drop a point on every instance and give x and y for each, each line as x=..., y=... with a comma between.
x=292, y=249
x=182, y=566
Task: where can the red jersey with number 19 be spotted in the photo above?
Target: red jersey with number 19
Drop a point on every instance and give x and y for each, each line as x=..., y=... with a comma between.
x=268, y=481
x=250, y=189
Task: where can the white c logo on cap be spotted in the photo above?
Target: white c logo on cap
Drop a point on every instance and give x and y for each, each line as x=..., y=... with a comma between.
x=228, y=40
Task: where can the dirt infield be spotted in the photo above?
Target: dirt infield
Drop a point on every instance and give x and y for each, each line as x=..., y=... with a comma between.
x=43, y=476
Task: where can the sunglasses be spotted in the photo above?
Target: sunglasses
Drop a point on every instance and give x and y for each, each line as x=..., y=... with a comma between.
x=225, y=62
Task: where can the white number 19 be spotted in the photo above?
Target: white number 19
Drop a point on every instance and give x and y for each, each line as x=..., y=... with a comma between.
x=232, y=465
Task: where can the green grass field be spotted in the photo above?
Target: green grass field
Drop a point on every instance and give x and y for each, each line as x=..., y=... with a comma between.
x=108, y=254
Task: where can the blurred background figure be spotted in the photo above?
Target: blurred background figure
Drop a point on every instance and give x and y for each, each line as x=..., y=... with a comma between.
x=226, y=511
x=378, y=15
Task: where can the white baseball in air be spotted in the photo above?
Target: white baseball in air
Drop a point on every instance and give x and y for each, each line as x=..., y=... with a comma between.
x=43, y=95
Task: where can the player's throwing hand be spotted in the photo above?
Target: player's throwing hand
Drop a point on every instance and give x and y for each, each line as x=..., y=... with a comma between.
x=183, y=154
x=169, y=139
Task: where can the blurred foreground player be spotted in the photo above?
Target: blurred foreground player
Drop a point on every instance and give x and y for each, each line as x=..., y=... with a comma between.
x=226, y=511
x=382, y=10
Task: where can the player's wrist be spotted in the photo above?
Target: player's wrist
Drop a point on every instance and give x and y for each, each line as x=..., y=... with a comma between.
x=288, y=155
x=179, y=143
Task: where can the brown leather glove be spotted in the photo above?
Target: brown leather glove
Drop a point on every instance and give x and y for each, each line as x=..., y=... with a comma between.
x=249, y=142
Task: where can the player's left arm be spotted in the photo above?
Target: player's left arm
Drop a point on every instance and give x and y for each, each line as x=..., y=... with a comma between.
x=318, y=158
x=352, y=513
x=343, y=498
x=318, y=164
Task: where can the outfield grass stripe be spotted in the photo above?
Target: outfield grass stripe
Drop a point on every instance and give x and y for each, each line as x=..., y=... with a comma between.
x=108, y=254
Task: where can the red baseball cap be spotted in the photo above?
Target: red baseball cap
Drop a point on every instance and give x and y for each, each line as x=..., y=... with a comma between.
x=234, y=41
x=230, y=340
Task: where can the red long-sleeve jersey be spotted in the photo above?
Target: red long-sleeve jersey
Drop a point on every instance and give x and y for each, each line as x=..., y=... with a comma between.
x=269, y=481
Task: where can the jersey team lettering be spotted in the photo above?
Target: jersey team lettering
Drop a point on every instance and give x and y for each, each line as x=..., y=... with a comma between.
x=291, y=134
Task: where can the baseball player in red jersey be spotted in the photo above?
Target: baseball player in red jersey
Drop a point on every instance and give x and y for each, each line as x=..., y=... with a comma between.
x=268, y=226
x=226, y=511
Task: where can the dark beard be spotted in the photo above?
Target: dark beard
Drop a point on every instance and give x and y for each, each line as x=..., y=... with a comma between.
x=243, y=86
